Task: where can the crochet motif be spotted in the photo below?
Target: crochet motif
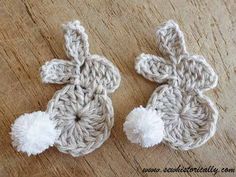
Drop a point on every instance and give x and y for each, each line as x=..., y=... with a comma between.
x=81, y=110
x=189, y=116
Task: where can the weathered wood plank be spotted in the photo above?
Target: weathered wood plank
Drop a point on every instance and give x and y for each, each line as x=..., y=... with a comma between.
x=120, y=30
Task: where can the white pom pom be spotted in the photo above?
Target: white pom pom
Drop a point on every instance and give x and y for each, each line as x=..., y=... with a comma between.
x=33, y=133
x=144, y=127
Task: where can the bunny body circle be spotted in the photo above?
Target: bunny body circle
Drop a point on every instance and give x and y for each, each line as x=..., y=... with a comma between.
x=189, y=119
x=82, y=110
x=84, y=116
x=189, y=116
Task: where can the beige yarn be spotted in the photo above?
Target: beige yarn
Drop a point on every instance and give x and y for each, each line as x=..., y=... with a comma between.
x=190, y=117
x=82, y=110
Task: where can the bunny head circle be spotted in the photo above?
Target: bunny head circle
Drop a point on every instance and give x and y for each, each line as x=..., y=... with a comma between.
x=188, y=115
x=81, y=111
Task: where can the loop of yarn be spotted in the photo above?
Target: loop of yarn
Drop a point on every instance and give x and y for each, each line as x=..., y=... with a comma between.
x=189, y=116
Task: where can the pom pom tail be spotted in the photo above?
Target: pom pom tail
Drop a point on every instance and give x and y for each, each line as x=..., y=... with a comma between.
x=144, y=127
x=33, y=133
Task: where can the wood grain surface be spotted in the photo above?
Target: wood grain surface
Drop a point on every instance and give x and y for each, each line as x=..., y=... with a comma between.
x=30, y=34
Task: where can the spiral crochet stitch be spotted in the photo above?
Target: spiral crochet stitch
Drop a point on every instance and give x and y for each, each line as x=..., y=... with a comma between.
x=81, y=112
x=189, y=116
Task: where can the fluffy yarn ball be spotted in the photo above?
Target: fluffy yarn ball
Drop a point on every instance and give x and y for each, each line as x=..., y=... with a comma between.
x=33, y=133
x=144, y=126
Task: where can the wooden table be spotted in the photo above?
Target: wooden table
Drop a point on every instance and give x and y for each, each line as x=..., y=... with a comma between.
x=30, y=35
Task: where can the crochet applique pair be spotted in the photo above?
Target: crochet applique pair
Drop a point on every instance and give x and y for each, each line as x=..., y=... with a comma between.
x=80, y=116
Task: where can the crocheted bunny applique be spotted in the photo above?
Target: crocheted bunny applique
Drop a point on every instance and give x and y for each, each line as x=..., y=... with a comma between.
x=178, y=113
x=80, y=116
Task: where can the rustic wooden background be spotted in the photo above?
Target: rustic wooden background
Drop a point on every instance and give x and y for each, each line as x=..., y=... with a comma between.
x=30, y=35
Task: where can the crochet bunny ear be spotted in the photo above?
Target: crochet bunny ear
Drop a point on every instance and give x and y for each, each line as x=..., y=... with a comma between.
x=77, y=49
x=76, y=41
x=153, y=68
x=99, y=71
x=58, y=71
x=170, y=40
